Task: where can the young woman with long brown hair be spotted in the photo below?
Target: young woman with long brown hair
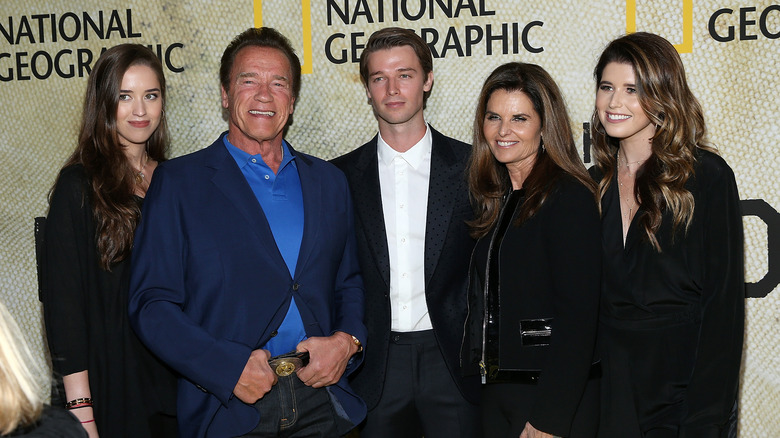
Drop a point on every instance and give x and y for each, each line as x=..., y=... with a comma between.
x=672, y=304
x=112, y=383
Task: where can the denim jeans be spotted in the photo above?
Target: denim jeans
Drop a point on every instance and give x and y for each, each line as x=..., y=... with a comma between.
x=294, y=410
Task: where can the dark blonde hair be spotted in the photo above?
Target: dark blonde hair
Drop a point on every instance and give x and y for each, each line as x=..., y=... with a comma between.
x=668, y=102
x=21, y=395
x=99, y=151
x=489, y=179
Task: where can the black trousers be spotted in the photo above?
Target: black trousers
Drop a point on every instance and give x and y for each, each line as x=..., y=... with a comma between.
x=420, y=397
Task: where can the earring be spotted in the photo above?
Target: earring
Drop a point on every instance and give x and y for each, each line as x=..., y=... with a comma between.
x=541, y=143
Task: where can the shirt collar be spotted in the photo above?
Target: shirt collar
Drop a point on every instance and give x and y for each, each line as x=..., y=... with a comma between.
x=414, y=156
x=242, y=157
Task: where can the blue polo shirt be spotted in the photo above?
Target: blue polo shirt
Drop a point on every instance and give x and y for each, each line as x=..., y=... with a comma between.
x=281, y=199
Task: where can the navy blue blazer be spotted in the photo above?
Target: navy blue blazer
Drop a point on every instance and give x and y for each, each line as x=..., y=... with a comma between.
x=209, y=285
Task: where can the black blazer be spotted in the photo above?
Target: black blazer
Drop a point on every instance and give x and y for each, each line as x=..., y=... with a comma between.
x=547, y=268
x=447, y=250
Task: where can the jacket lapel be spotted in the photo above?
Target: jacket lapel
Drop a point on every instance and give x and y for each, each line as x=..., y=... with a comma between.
x=446, y=180
x=311, y=187
x=231, y=183
x=368, y=204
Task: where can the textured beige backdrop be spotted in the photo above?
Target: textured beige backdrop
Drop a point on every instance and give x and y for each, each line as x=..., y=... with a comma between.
x=737, y=83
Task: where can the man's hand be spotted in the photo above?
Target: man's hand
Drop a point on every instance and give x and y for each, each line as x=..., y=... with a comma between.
x=328, y=357
x=532, y=432
x=257, y=378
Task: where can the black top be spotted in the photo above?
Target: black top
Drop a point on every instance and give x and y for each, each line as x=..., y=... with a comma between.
x=85, y=312
x=54, y=423
x=673, y=320
x=547, y=268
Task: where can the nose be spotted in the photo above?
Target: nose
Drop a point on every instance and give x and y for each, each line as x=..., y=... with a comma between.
x=139, y=107
x=392, y=86
x=503, y=129
x=616, y=100
x=263, y=93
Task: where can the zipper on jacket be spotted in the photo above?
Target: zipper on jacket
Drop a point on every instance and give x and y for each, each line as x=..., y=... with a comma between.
x=485, y=316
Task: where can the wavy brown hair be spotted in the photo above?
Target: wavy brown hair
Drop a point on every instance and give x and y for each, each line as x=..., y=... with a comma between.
x=489, y=179
x=112, y=177
x=668, y=102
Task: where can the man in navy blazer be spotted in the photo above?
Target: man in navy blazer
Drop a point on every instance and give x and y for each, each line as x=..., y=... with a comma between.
x=411, y=205
x=246, y=250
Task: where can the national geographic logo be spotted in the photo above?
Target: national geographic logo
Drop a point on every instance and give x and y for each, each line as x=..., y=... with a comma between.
x=307, y=64
x=457, y=40
x=54, y=39
x=687, y=24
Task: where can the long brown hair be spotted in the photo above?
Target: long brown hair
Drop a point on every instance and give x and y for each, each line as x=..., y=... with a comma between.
x=663, y=94
x=557, y=156
x=99, y=151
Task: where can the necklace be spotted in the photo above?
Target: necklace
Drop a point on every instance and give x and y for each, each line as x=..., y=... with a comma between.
x=140, y=176
x=627, y=198
x=625, y=163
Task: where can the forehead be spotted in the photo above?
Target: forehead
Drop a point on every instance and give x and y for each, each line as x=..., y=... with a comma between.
x=618, y=71
x=514, y=101
x=394, y=58
x=259, y=60
x=140, y=75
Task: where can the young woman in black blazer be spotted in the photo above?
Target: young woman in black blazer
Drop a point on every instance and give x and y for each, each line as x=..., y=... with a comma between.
x=535, y=271
x=113, y=384
x=672, y=304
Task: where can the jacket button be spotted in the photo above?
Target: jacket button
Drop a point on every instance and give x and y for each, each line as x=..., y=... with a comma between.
x=295, y=286
x=274, y=333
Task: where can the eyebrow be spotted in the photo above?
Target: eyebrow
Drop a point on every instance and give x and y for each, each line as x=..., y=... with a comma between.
x=399, y=70
x=145, y=91
x=527, y=116
x=626, y=84
x=254, y=75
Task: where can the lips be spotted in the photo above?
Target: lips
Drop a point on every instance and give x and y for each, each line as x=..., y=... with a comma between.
x=139, y=123
x=617, y=117
x=262, y=113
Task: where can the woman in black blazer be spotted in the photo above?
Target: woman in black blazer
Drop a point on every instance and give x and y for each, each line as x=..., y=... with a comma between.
x=672, y=311
x=535, y=271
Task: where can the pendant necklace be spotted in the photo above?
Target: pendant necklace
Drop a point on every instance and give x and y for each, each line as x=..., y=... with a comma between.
x=140, y=176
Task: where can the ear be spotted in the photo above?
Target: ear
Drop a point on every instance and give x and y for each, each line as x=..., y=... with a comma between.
x=428, y=82
x=225, y=99
x=292, y=104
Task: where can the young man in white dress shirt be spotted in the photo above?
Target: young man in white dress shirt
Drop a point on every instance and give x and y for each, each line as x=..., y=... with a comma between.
x=411, y=205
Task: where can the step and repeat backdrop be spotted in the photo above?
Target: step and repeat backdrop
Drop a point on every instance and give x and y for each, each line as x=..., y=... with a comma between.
x=731, y=50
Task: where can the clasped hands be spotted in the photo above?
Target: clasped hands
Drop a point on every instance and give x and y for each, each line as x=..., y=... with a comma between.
x=328, y=358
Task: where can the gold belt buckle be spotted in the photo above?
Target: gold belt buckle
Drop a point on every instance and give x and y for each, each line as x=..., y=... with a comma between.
x=285, y=368
x=286, y=364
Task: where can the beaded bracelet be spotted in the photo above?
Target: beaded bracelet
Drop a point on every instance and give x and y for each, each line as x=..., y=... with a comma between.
x=79, y=402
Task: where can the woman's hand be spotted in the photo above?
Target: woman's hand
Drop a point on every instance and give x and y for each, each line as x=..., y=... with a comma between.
x=532, y=432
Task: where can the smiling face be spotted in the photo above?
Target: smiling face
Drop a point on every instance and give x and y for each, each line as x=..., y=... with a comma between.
x=260, y=98
x=140, y=105
x=396, y=85
x=619, y=110
x=513, y=130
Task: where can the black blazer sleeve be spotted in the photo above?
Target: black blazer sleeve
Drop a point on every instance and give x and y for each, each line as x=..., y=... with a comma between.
x=572, y=246
x=713, y=385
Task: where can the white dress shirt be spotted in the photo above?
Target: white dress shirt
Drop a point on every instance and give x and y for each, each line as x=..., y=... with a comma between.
x=403, y=178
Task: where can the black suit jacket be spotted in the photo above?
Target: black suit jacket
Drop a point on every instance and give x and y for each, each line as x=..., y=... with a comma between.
x=447, y=251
